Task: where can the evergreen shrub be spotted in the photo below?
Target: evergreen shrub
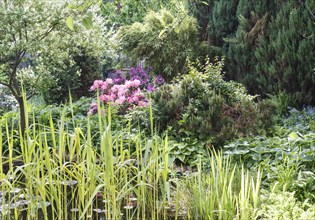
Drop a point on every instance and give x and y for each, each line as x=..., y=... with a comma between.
x=202, y=109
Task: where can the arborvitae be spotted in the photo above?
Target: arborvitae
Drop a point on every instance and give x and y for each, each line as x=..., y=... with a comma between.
x=217, y=20
x=241, y=60
x=286, y=58
x=202, y=11
x=224, y=20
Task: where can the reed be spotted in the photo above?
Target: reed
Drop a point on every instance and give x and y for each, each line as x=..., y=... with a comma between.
x=63, y=175
x=224, y=192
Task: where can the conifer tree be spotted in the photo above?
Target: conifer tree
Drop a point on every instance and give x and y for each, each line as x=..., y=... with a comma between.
x=286, y=57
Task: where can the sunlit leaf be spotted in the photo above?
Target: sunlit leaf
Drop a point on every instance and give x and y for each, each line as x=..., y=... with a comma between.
x=87, y=22
x=69, y=22
x=162, y=32
x=293, y=136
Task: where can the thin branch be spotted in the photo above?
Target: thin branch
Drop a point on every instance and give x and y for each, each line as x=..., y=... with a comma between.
x=18, y=58
x=45, y=34
x=308, y=8
x=4, y=84
x=25, y=30
x=30, y=95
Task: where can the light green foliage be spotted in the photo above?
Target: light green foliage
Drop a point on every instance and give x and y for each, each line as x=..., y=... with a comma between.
x=164, y=39
x=226, y=191
x=126, y=12
x=281, y=204
x=36, y=44
x=34, y=34
x=66, y=168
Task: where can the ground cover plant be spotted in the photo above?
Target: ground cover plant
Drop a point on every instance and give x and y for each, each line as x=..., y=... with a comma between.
x=287, y=158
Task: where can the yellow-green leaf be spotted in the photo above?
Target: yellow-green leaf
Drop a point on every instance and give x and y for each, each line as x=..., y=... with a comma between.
x=69, y=22
x=293, y=136
x=87, y=22
x=162, y=32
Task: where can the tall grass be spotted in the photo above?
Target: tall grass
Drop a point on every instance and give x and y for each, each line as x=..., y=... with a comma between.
x=224, y=192
x=61, y=175
x=64, y=177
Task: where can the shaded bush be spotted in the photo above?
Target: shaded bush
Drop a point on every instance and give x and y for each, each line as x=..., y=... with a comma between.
x=74, y=78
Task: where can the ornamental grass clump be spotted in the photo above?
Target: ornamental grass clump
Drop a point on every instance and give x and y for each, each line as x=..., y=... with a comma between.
x=61, y=172
x=226, y=191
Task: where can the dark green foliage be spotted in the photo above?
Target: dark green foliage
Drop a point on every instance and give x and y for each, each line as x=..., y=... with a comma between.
x=241, y=60
x=224, y=20
x=271, y=52
x=217, y=19
x=270, y=49
x=290, y=52
x=75, y=78
x=201, y=109
x=164, y=40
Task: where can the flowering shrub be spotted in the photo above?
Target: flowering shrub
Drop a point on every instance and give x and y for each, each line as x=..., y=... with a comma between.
x=126, y=93
x=145, y=77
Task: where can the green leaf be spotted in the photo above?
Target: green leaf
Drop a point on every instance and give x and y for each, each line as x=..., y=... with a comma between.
x=293, y=136
x=203, y=2
x=162, y=32
x=87, y=22
x=69, y=22
x=72, y=6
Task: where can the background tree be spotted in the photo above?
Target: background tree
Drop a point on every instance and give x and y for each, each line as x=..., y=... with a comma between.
x=126, y=12
x=164, y=40
x=286, y=57
x=33, y=38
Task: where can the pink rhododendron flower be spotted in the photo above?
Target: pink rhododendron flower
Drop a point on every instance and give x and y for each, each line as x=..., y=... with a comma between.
x=133, y=83
x=123, y=93
x=120, y=100
x=96, y=85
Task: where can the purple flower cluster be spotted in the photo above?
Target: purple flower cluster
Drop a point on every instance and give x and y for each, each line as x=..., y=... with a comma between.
x=145, y=77
x=159, y=80
x=140, y=74
x=119, y=77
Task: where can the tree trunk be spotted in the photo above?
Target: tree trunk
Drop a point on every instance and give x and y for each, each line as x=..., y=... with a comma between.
x=22, y=115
